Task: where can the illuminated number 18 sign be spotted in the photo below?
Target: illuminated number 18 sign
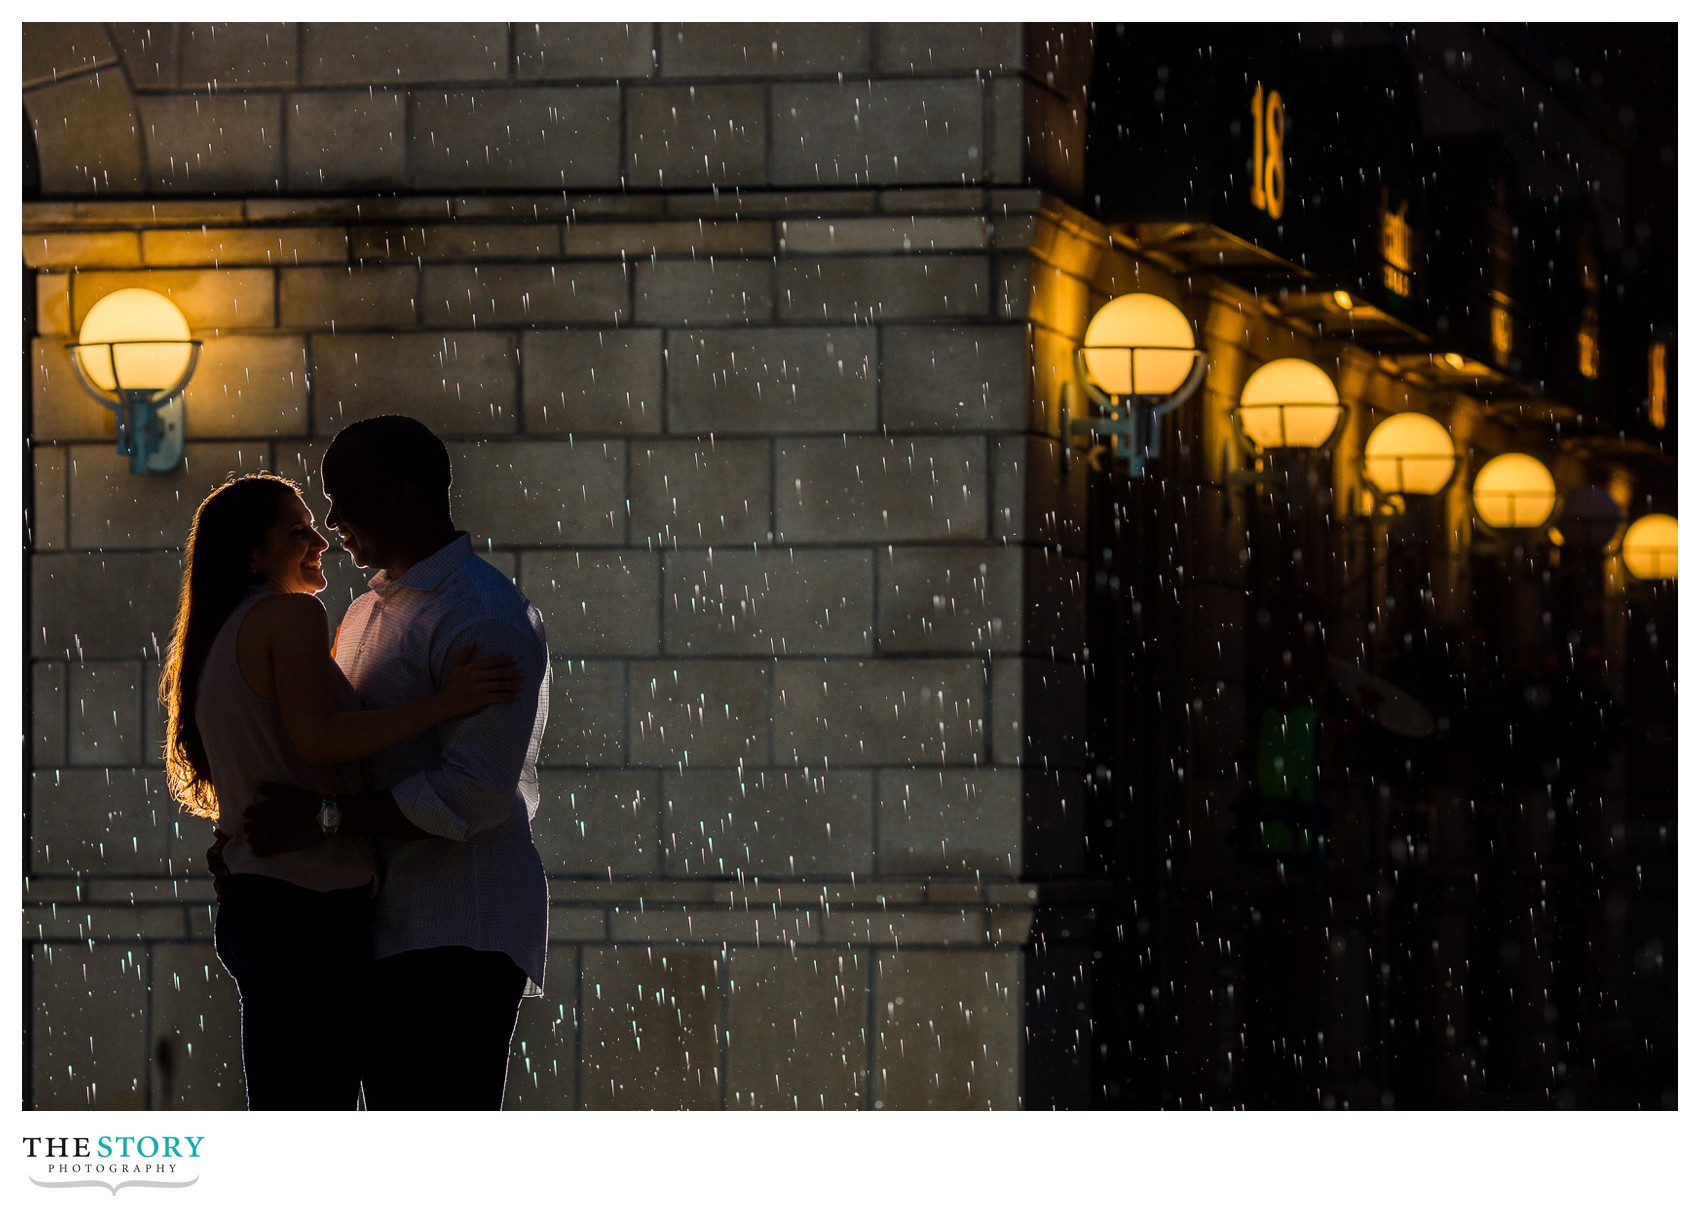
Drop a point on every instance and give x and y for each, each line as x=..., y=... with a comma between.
x=1268, y=155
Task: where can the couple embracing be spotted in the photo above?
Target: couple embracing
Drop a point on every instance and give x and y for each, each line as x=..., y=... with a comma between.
x=382, y=907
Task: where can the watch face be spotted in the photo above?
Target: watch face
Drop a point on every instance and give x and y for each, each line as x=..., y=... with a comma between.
x=330, y=818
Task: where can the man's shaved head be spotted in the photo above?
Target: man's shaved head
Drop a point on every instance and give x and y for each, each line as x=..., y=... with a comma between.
x=381, y=452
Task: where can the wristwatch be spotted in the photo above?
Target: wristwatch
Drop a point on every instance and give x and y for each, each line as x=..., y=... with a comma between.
x=330, y=816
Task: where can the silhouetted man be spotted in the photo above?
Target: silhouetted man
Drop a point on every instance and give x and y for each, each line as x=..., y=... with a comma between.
x=461, y=918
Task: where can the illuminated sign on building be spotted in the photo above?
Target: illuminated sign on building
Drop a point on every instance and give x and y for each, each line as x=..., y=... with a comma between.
x=1588, y=344
x=1268, y=152
x=1397, y=262
x=1588, y=328
x=1658, y=397
x=1499, y=318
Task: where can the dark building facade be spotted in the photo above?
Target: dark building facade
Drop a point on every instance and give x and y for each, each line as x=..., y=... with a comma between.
x=1470, y=227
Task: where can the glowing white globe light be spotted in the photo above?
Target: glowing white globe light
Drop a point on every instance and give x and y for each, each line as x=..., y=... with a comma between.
x=1514, y=492
x=1649, y=548
x=1138, y=345
x=1409, y=454
x=134, y=340
x=1289, y=402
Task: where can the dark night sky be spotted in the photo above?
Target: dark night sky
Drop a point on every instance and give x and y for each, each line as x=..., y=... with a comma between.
x=1627, y=73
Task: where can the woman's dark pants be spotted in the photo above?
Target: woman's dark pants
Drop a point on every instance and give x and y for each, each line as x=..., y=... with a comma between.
x=302, y=961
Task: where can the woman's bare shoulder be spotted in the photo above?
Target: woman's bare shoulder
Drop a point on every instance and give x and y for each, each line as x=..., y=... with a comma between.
x=289, y=626
x=287, y=614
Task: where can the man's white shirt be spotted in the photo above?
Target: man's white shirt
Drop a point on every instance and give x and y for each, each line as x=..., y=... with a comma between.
x=471, y=781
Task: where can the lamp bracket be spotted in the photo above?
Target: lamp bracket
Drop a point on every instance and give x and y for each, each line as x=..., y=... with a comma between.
x=151, y=433
x=1241, y=477
x=1132, y=424
x=150, y=420
x=1383, y=506
x=1261, y=474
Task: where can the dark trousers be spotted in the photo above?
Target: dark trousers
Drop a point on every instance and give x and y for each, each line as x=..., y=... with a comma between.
x=442, y=1021
x=302, y=964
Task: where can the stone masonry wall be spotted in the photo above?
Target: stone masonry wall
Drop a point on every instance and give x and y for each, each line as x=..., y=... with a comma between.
x=729, y=330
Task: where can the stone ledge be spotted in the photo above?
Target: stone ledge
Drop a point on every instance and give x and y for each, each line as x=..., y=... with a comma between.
x=540, y=208
x=611, y=237
x=703, y=926
x=532, y=207
x=455, y=242
x=274, y=246
x=750, y=924
x=918, y=200
x=131, y=213
x=770, y=204
x=408, y=208
x=911, y=234
x=587, y=897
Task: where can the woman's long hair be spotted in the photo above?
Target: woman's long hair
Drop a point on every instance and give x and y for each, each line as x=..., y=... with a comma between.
x=228, y=526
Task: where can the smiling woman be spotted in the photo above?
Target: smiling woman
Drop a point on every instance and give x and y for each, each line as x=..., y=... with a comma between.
x=289, y=559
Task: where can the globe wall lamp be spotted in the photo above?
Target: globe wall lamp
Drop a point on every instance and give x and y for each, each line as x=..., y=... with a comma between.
x=1287, y=404
x=1514, y=492
x=1138, y=362
x=1410, y=454
x=133, y=354
x=1649, y=548
x=1408, y=460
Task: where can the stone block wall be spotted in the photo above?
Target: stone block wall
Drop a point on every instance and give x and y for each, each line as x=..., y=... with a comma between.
x=731, y=333
x=301, y=108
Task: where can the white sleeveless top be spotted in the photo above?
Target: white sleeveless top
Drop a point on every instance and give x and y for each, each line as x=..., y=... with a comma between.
x=247, y=745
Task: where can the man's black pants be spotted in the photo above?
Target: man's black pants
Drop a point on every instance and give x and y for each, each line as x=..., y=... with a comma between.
x=442, y=1022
